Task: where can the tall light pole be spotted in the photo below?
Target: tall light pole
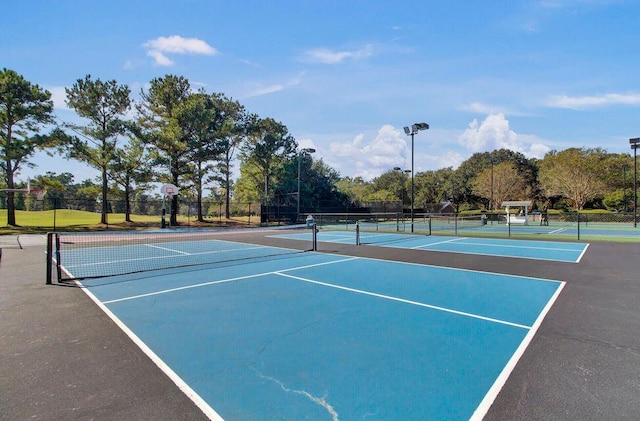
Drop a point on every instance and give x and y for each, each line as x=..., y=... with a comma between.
x=634, y=145
x=491, y=200
x=300, y=153
x=415, y=128
x=402, y=187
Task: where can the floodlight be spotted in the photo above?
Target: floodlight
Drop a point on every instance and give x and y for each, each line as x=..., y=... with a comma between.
x=634, y=140
x=415, y=128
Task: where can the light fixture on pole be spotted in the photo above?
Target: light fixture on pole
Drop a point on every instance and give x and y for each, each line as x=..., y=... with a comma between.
x=302, y=151
x=634, y=145
x=415, y=128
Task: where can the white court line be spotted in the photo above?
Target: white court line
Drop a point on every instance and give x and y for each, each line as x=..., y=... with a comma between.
x=440, y=242
x=582, y=254
x=517, y=247
x=221, y=281
x=500, y=381
x=177, y=380
x=402, y=300
x=559, y=230
x=167, y=249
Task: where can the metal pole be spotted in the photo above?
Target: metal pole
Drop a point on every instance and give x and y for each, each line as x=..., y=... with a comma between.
x=412, y=172
x=491, y=201
x=635, y=191
x=624, y=187
x=299, y=159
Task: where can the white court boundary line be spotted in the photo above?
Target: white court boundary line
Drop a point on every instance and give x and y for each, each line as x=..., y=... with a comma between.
x=502, y=378
x=177, y=380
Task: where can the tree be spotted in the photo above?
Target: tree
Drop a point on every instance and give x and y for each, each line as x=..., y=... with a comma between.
x=233, y=132
x=394, y=185
x=24, y=109
x=160, y=127
x=576, y=174
x=506, y=183
x=356, y=189
x=268, y=147
x=105, y=105
x=198, y=115
x=431, y=187
x=130, y=170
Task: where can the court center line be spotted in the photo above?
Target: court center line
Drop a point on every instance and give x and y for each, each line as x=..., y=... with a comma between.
x=440, y=242
x=402, y=300
x=167, y=249
x=222, y=281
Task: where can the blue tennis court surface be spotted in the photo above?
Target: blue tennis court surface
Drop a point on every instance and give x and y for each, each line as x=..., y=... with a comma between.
x=529, y=249
x=320, y=336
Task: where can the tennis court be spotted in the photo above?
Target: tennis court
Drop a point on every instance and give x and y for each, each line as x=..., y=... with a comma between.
x=528, y=249
x=293, y=334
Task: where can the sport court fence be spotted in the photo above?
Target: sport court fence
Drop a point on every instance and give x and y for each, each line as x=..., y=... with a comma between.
x=565, y=225
x=52, y=213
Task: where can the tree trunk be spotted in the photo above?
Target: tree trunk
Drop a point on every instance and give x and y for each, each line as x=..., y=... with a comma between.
x=105, y=204
x=227, y=194
x=127, y=201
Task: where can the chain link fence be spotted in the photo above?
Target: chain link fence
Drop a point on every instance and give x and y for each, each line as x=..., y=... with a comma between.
x=58, y=213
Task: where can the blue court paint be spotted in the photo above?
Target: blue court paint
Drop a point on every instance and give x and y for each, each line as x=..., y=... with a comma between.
x=528, y=249
x=318, y=336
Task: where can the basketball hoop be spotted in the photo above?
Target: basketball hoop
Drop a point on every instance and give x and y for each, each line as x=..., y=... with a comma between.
x=39, y=193
x=169, y=190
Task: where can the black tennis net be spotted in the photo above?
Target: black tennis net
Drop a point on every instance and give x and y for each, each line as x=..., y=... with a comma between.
x=73, y=256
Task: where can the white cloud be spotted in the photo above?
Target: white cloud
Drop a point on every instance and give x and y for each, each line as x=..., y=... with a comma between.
x=159, y=48
x=258, y=89
x=160, y=58
x=593, y=101
x=328, y=56
x=495, y=133
x=370, y=159
x=59, y=97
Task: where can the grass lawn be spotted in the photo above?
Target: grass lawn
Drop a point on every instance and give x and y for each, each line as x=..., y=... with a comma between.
x=75, y=220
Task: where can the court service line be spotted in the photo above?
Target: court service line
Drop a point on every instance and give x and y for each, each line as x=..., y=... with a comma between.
x=222, y=281
x=402, y=300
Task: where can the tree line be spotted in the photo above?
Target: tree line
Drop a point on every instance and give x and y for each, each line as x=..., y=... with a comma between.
x=192, y=139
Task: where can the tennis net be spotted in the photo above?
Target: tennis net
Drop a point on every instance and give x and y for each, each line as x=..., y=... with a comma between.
x=73, y=256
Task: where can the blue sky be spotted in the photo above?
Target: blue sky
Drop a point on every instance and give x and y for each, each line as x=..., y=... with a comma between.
x=346, y=76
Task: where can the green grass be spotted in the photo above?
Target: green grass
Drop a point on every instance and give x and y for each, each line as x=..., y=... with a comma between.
x=75, y=220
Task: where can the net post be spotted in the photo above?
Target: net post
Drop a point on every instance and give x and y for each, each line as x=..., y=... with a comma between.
x=357, y=233
x=578, y=215
x=315, y=237
x=56, y=236
x=49, y=257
